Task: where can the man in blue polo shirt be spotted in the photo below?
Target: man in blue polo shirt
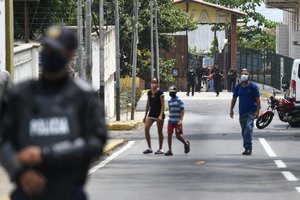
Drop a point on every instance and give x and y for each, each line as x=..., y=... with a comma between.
x=249, y=106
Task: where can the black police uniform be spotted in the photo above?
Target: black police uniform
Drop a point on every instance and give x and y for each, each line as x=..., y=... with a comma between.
x=66, y=120
x=191, y=76
x=217, y=75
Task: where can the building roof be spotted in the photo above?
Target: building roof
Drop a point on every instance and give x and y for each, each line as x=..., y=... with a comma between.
x=211, y=5
x=282, y=4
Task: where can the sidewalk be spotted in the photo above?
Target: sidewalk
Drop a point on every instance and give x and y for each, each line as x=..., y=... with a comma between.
x=125, y=123
x=6, y=186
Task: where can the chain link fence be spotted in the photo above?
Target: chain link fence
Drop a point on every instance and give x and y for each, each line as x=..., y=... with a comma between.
x=266, y=68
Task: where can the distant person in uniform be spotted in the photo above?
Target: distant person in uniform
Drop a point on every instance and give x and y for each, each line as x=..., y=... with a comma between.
x=155, y=108
x=191, y=81
x=232, y=76
x=199, y=72
x=53, y=128
x=217, y=76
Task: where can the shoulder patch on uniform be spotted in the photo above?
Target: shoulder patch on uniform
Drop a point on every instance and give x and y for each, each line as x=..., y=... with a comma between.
x=23, y=86
x=85, y=86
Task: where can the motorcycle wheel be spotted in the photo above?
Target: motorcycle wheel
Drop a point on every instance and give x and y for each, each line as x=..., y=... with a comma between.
x=264, y=120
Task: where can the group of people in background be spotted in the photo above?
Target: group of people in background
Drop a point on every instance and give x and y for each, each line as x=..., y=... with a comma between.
x=211, y=78
x=249, y=108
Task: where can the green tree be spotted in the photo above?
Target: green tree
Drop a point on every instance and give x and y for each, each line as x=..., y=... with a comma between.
x=170, y=20
x=214, y=47
x=257, y=36
x=43, y=14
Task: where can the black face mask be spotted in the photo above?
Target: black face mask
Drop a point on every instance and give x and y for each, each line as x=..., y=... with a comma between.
x=53, y=62
x=172, y=94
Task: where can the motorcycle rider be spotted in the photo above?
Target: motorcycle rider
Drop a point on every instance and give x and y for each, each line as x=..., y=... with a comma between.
x=53, y=127
x=249, y=107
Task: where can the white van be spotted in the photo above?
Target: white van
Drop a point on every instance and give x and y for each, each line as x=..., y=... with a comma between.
x=295, y=82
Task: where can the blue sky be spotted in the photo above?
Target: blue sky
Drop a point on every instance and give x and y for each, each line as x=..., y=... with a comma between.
x=272, y=14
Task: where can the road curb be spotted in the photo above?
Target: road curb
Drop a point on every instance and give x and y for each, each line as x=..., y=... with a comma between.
x=265, y=94
x=112, y=144
x=123, y=125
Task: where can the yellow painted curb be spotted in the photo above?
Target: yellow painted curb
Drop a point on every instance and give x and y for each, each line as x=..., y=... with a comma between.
x=112, y=144
x=123, y=126
x=265, y=94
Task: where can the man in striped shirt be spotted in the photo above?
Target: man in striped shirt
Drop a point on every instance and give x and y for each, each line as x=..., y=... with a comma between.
x=176, y=108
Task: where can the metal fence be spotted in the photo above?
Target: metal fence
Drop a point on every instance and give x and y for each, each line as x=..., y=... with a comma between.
x=267, y=68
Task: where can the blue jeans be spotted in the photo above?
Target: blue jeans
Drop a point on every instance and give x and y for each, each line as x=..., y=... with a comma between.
x=211, y=85
x=247, y=123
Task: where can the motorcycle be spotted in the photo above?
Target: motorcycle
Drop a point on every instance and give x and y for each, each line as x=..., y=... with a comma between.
x=286, y=111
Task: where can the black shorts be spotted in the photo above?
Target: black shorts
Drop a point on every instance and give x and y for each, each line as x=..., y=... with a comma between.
x=155, y=116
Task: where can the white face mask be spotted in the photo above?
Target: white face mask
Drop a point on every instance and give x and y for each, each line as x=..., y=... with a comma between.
x=244, y=77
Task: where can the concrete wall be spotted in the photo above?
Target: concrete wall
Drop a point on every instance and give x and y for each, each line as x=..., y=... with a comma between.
x=126, y=82
x=26, y=66
x=292, y=21
x=2, y=36
x=26, y=62
x=282, y=39
x=110, y=69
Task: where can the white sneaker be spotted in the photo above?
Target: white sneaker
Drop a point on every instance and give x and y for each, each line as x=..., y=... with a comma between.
x=159, y=151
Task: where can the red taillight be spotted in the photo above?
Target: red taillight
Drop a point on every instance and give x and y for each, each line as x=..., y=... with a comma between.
x=293, y=87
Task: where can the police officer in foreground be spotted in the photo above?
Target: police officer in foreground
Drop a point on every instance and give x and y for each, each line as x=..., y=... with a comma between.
x=53, y=128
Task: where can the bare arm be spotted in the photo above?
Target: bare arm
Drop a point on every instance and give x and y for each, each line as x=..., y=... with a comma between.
x=181, y=118
x=162, y=100
x=233, y=102
x=147, y=108
x=258, y=106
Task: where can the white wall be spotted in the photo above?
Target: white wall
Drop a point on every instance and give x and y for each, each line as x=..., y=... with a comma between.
x=282, y=39
x=203, y=37
x=110, y=69
x=2, y=35
x=26, y=65
x=295, y=48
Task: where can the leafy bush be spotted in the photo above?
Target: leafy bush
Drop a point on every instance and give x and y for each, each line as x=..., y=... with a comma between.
x=125, y=96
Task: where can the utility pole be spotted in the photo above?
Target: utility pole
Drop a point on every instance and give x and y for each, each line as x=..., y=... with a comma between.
x=215, y=41
x=117, y=29
x=134, y=64
x=26, y=21
x=157, y=41
x=101, y=45
x=88, y=41
x=9, y=26
x=152, y=39
x=2, y=35
x=80, y=38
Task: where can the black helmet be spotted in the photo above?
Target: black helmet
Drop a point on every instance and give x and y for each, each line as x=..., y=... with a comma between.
x=60, y=38
x=173, y=88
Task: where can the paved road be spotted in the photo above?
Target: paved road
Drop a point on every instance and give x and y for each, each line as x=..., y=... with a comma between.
x=215, y=139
